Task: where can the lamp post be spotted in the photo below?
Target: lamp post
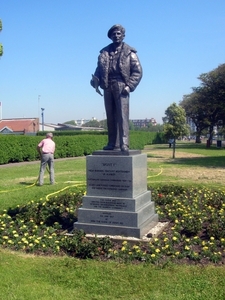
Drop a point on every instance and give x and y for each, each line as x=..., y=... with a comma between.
x=39, y=105
x=42, y=117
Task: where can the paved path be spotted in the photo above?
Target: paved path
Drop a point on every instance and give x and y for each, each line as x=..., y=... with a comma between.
x=34, y=162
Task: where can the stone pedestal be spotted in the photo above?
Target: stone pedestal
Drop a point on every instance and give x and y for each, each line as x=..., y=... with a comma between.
x=117, y=200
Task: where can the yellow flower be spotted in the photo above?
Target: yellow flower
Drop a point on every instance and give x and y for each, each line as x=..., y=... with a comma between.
x=135, y=247
x=157, y=250
x=152, y=255
x=124, y=243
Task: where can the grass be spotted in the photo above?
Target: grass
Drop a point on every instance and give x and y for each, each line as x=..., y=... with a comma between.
x=194, y=165
x=30, y=277
x=17, y=183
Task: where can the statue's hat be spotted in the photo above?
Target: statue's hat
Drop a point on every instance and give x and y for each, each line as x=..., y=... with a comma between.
x=118, y=27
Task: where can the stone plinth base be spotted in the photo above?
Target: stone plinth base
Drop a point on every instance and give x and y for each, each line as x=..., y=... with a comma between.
x=117, y=200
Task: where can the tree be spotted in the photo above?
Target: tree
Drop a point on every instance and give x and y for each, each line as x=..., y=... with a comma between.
x=155, y=128
x=206, y=105
x=131, y=125
x=92, y=123
x=72, y=122
x=213, y=88
x=103, y=124
x=175, y=125
x=1, y=47
x=193, y=104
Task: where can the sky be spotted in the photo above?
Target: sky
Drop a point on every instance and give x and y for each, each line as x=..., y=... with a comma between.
x=51, y=49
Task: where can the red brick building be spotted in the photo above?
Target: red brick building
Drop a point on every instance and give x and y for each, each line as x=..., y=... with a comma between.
x=19, y=126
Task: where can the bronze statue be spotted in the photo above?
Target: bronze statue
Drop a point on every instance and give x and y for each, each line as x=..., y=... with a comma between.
x=118, y=73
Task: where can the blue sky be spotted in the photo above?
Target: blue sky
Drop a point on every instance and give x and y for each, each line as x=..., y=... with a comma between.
x=51, y=49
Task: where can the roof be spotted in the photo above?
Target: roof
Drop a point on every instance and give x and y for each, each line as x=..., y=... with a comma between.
x=16, y=124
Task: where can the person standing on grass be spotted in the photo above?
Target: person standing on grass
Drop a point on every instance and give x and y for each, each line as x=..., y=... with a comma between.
x=46, y=149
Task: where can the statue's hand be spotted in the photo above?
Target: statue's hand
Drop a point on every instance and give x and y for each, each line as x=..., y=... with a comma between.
x=92, y=83
x=95, y=83
x=126, y=91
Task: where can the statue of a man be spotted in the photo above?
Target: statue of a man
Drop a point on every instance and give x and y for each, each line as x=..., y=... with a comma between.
x=118, y=73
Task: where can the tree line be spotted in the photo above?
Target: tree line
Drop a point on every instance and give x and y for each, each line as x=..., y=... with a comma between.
x=205, y=106
x=103, y=124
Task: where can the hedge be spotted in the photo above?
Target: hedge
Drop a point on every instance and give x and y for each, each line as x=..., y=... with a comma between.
x=19, y=148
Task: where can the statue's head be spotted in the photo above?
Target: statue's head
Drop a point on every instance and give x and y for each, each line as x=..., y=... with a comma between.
x=116, y=28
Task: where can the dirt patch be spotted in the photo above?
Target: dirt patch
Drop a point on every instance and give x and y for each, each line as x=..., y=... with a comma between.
x=184, y=173
x=158, y=154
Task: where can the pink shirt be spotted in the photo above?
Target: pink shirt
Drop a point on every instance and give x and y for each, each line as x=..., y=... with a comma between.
x=47, y=145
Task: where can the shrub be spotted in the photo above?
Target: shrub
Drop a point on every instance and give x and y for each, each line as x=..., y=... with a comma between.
x=18, y=148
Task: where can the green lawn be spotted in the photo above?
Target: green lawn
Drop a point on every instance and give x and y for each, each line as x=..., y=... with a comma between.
x=39, y=278
x=30, y=277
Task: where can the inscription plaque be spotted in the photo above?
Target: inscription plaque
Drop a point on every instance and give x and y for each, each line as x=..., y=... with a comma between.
x=117, y=200
x=116, y=176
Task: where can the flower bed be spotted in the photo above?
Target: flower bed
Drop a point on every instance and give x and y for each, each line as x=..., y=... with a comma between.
x=196, y=231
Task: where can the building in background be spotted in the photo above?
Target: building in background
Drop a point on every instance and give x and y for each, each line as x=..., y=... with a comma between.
x=19, y=126
x=49, y=127
x=32, y=125
x=142, y=123
x=81, y=122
